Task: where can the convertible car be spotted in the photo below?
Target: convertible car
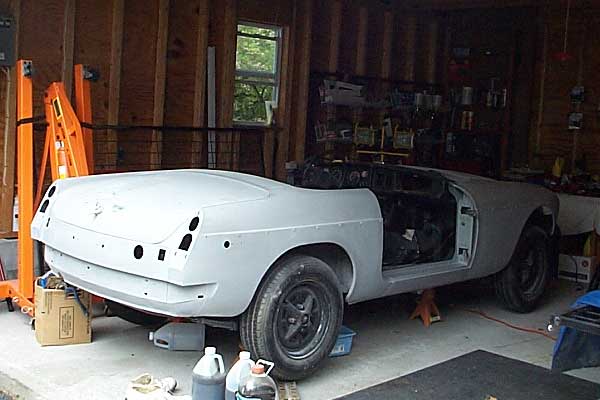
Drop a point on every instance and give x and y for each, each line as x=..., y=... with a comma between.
x=280, y=260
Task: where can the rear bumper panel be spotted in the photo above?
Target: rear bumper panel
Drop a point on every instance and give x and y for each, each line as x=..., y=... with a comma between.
x=139, y=292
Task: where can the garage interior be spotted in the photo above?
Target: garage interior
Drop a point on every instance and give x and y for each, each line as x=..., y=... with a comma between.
x=325, y=95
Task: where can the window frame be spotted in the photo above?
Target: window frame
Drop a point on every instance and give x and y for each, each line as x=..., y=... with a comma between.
x=245, y=74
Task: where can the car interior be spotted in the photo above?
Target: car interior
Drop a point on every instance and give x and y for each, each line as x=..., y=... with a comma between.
x=418, y=209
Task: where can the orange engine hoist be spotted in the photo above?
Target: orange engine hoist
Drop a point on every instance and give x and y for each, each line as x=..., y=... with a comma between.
x=69, y=149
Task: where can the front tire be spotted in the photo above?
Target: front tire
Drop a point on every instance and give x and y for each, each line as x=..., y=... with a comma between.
x=295, y=317
x=521, y=285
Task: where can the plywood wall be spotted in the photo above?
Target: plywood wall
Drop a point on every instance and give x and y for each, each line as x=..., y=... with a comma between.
x=549, y=137
x=151, y=59
x=378, y=40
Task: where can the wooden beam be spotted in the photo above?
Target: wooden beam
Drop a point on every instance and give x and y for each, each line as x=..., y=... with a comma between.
x=409, y=39
x=68, y=46
x=8, y=155
x=386, y=46
x=446, y=50
x=431, y=47
x=160, y=79
x=539, y=120
x=362, y=31
x=225, y=49
x=303, y=47
x=226, y=63
x=200, y=81
x=335, y=26
x=283, y=108
x=114, y=81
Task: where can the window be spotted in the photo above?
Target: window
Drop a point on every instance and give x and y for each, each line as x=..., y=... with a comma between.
x=256, y=71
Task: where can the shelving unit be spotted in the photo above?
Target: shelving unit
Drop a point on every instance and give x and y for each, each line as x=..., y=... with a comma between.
x=336, y=127
x=480, y=81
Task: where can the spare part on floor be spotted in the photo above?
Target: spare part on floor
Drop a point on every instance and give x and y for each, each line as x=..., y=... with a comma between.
x=578, y=343
x=283, y=260
x=64, y=149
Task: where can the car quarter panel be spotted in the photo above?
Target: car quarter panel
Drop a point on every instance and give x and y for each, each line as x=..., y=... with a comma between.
x=230, y=252
x=503, y=209
x=240, y=242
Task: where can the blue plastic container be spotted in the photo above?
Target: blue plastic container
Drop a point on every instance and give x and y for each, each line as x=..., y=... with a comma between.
x=343, y=346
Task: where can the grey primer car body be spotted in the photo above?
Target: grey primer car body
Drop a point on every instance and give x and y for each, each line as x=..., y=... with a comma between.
x=281, y=260
x=92, y=226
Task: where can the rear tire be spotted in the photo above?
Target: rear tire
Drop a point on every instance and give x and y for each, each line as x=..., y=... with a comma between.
x=295, y=317
x=521, y=285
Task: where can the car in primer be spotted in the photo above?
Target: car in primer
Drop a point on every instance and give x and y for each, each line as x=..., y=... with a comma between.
x=281, y=260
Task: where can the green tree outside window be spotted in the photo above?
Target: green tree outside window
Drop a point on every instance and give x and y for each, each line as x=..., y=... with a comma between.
x=257, y=71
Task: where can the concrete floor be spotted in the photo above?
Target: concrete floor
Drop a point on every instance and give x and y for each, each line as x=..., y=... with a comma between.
x=387, y=345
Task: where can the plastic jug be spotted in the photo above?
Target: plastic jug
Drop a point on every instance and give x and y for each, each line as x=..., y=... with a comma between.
x=240, y=370
x=179, y=336
x=258, y=385
x=208, y=377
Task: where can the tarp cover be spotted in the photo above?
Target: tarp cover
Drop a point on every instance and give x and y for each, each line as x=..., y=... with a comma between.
x=578, y=214
x=575, y=349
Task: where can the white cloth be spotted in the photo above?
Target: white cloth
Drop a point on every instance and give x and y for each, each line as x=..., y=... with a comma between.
x=578, y=214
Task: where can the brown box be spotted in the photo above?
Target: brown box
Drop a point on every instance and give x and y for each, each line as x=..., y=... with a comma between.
x=59, y=318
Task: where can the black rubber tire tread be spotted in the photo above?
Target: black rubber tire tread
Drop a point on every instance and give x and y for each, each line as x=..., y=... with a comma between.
x=134, y=316
x=507, y=281
x=255, y=325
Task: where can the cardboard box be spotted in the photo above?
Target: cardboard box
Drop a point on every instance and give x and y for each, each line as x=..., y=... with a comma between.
x=59, y=317
x=576, y=268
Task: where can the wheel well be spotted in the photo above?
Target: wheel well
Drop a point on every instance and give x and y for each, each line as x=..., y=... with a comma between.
x=544, y=218
x=331, y=254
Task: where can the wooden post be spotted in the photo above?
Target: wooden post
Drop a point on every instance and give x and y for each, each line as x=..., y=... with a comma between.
x=335, y=21
x=200, y=82
x=538, y=122
x=303, y=45
x=362, y=31
x=409, y=38
x=226, y=81
x=160, y=79
x=283, y=110
x=386, y=47
x=68, y=46
x=7, y=177
x=114, y=82
x=432, y=53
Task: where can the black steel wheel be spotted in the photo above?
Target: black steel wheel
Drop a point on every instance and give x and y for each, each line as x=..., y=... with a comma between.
x=295, y=317
x=522, y=283
x=302, y=318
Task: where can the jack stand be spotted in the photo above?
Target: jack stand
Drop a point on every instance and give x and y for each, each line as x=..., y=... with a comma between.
x=426, y=308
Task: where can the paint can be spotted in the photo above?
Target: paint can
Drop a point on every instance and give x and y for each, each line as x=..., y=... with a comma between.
x=467, y=96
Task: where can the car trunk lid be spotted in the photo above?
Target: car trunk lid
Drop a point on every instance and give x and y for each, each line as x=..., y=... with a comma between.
x=148, y=206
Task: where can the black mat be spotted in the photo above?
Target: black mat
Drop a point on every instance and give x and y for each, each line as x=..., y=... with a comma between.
x=478, y=375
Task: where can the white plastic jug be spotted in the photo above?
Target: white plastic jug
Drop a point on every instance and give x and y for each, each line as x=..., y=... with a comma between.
x=180, y=336
x=240, y=370
x=208, y=377
x=210, y=364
